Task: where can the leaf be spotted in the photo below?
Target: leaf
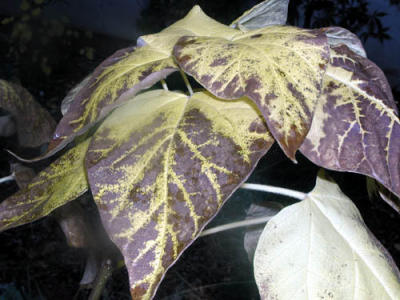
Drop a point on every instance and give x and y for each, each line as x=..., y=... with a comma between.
x=23, y=175
x=34, y=124
x=339, y=35
x=195, y=23
x=355, y=126
x=61, y=182
x=69, y=98
x=320, y=248
x=252, y=234
x=266, y=13
x=279, y=67
x=119, y=77
x=161, y=166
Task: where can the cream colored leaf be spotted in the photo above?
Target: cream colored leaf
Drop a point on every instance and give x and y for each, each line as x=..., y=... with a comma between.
x=196, y=23
x=320, y=248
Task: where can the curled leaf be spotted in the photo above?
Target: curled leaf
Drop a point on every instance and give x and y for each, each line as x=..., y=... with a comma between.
x=279, y=67
x=70, y=97
x=34, y=124
x=266, y=13
x=63, y=181
x=355, y=126
x=321, y=248
x=119, y=77
x=161, y=166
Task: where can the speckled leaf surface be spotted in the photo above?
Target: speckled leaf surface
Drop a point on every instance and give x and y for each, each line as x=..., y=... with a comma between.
x=34, y=124
x=63, y=181
x=161, y=166
x=266, y=13
x=356, y=127
x=195, y=23
x=320, y=248
x=279, y=67
x=119, y=77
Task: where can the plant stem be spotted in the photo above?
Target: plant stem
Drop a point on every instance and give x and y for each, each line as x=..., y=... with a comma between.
x=274, y=190
x=7, y=178
x=105, y=272
x=187, y=83
x=164, y=85
x=238, y=224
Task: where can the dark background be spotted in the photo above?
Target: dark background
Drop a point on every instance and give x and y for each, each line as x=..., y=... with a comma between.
x=49, y=46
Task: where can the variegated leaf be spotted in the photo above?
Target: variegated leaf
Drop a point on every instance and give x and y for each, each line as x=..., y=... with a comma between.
x=119, y=77
x=279, y=67
x=34, y=124
x=355, y=126
x=61, y=182
x=266, y=13
x=321, y=248
x=161, y=166
x=195, y=23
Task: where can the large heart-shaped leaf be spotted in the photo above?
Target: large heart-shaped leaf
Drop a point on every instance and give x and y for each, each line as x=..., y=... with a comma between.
x=266, y=13
x=63, y=181
x=279, y=67
x=355, y=126
x=34, y=124
x=196, y=23
x=119, y=77
x=161, y=166
x=320, y=248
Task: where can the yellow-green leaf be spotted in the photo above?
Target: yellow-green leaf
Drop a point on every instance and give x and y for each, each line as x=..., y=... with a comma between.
x=34, y=124
x=196, y=23
x=161, y=166
x=321, y=248
x=63, y=181
x=119, y=77
x=356, y=127
x=279, y=67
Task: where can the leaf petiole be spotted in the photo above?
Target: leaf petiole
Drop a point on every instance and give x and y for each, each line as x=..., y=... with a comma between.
x=274, y=190
x=7, y=178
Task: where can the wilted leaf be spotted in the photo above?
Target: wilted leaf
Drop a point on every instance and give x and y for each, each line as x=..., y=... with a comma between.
x=161, y=166
x=34, y=124
x=355, y=126
x=279, y=67
x=196, y=23
x=338, y=35
x=61, y=182
x=257, y=210
x=320, y=248
x=119, y=77
x=267, y=13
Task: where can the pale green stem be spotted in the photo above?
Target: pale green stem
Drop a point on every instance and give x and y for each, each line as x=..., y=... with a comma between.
x=274, y=190
x=164, y=85
x=7, y=178
x=187, y=83
x=244, y=223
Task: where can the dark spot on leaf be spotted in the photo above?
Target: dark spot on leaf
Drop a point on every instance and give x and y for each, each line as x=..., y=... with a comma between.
x=256, y=36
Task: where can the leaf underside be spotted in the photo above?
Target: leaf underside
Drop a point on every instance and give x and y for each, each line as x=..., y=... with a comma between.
x=356, y=127
x=320, y=248
x=34, y=124
x=118, y=78
x=267, y=13
x=279, y=67
x=63, y=181
x=161, y=166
